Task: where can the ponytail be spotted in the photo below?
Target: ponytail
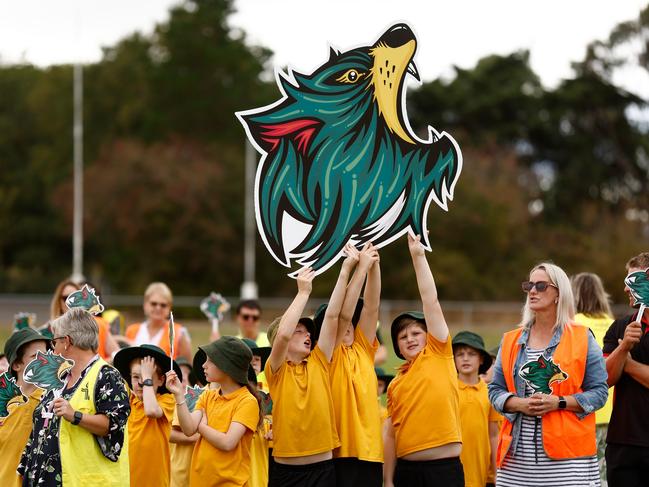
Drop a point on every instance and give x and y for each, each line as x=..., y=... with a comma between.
x=252, y=388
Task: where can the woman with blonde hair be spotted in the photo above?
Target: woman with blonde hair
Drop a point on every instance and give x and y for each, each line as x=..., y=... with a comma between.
x=549, y=378
x=154, y=330
x=594, y=311
x=107, y=344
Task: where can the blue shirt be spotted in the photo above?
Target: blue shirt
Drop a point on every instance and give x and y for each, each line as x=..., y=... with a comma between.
x=594, y=386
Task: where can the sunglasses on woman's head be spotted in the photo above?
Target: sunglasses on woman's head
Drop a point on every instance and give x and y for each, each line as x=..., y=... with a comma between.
x=541, y=286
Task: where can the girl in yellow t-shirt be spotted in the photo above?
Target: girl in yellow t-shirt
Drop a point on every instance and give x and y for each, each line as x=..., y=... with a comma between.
x=422, y=434
x=225, y=418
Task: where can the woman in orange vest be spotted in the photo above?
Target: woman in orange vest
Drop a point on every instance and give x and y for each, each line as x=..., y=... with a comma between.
x=158, y=301
x=549, y=379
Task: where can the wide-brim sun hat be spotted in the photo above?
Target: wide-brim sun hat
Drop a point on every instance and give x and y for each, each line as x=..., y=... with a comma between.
x=262, y=352
x=381, y=375
x=231, y=356
x=417, y=316
x=20, y=338
x=123, y=358
x=475, y=341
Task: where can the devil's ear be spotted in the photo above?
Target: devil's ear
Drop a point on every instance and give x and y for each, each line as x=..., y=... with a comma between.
x=333, y=54
x=541, y=362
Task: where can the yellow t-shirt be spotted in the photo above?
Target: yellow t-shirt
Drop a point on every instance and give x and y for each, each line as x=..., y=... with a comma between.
x=148, y=443
x=14, y=433
x=475, y=414
x=303, y=412
x=181, y=458
x=353, y=389
x=599, y=327
x=214, y=467
x=424, y=393
x=258, y=461
x=261, y=341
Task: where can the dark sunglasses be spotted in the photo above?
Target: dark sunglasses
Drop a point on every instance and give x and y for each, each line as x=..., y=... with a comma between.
x=250, y=317
x=541, y=286
x=158, y=305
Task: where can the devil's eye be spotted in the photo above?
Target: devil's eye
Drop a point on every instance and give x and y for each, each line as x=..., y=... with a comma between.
x=350, y=76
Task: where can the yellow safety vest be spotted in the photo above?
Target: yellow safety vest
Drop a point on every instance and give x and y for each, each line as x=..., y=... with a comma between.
x=82, y=462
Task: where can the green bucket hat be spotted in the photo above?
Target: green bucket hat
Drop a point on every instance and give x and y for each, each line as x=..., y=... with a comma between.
x=473, y=340
x=381, y=375
x=123, y=358
x=414, y=316
x=18, y=339
x=230, y=355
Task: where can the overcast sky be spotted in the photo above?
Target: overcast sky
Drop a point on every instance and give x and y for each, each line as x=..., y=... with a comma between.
x=455, y=32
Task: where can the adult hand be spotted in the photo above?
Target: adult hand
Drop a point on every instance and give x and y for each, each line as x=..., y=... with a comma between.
x=147, y=367
x=539, y=403
x=632, y=335
x=174, y=385
x=305, y=280
x=61, y=407
x=351, y=257
x=415, y=246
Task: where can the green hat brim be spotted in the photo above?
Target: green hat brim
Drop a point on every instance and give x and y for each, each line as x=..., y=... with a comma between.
x=415, y=316
x=20, y=338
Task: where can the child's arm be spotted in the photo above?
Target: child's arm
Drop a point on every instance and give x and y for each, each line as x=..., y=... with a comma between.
x=389, y=453
x=353, y=292
x=180, y=438
x=435, y=321
x=188, y=420
x=223, y=441
x=494, y=431
x=289, y=320
x=151, y=407
x=371, y=300
x=330, y=323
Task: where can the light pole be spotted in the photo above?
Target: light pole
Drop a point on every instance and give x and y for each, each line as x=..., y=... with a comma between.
x=249, y=287
x=77, y=224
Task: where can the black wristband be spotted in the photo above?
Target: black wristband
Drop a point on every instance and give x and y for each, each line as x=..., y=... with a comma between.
x=78, y=415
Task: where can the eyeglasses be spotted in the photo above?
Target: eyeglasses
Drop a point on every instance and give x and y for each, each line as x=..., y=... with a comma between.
x=158, y=305
x=250, y=317
x=541, y=286
x=53, y=340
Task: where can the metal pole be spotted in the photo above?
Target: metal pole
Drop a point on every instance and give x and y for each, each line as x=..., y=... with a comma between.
x=77, y=229
x=249, y=287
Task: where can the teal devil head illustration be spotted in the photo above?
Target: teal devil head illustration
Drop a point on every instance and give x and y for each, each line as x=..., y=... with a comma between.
x=191, y=396
x=638, y=285
x=47, y=370
x=340, y=162
x=10, y=395
x=540, y=374
x=85, y=298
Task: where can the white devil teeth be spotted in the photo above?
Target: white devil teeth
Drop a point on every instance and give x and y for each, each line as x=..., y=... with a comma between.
x=412, y=69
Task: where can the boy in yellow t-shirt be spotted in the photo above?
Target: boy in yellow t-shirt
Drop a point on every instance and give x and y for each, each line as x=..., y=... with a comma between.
x=478, y=418
x=422, y=434
x=152, y=409
x=225, y=417
x=15, y=428
x=304, y=431
x=359, y=458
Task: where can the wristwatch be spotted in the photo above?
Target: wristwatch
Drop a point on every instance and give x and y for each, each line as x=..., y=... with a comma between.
x=147, y=382
x=562, y=402
x=78, y=415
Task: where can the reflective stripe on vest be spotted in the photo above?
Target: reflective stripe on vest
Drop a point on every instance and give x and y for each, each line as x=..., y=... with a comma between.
x=564, y=434
x=82, y=462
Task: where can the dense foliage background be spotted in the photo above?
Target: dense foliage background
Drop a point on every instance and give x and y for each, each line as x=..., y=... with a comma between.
x=558, y=174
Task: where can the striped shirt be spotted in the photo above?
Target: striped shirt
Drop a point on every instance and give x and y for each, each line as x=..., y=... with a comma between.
x=531, y=462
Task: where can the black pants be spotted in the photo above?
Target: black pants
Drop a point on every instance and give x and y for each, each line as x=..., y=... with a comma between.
x=352, y=472
x=445, y=472
x=627, y=466
x=319, y=474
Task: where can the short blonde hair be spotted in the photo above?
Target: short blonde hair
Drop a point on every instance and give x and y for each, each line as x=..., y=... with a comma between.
x=80, y=326
x=566, y=301
x=158, y=288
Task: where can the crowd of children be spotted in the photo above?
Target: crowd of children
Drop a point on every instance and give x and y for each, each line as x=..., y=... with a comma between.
x=306, y=410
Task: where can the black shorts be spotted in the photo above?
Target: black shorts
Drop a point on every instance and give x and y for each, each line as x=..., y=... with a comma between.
x=352, y=472
x=447, y=472
x=319, y=474
x=627, y=466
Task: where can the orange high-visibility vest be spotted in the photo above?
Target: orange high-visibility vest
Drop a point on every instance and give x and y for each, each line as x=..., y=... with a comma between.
x=103, y=326
x=132, y=330
x=564, y=434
